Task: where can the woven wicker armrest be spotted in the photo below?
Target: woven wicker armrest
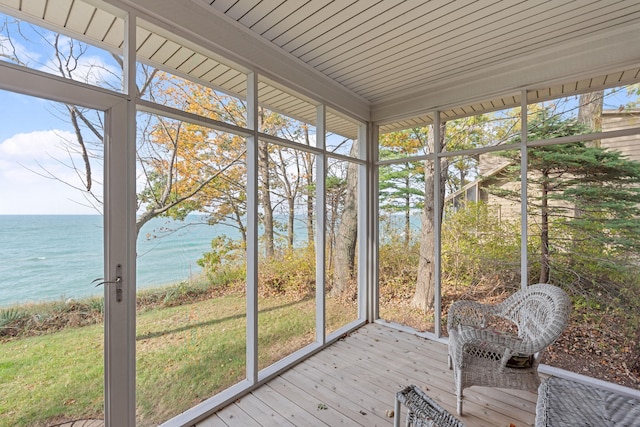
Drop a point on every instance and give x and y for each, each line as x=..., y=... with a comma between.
x=470, y=313
x=489, y=344
x=424, y=411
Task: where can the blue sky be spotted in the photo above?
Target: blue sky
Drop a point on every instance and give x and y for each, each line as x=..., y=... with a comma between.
x=31, y=144
x=33, y=135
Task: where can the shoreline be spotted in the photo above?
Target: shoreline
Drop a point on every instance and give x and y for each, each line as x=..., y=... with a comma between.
x=39, y=318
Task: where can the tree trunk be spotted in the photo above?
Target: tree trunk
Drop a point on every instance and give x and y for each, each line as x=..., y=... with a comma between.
x=544, y=232
x=407, y=214
x=425, y=284
x=291, y=221
x=308, y=164
x=265, y=196
x=345, y=253
x=590, y=112
x=309, y=160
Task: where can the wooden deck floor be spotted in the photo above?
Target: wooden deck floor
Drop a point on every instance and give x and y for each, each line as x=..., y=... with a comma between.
x=354, y=381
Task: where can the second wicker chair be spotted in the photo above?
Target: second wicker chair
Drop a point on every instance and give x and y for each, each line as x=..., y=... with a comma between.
x=500, y=345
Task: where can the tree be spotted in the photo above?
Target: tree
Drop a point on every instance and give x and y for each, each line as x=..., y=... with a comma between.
x=592, y=192
x=400, y=191
x=590, y=112
x=182, y=167
x=335, y=192
x=424, y=294
x=190, y=167
x=346, y=239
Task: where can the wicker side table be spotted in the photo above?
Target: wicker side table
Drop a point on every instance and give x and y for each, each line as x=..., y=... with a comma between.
x=423, y=411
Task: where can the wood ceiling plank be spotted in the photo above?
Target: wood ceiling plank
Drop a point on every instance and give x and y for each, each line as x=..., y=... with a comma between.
x=302, y=15
x=436, y=48
x=228, y=79
x=360, y=29
x=58, y=12
x=473, y=55
x=613, y=78
x=165, y=52
x=233, y=81
x=150, y=44
x=13, y=4
x=115, y=35
x=238, y=86
x=434, y=42
x=100, y=24
x=274, y=17
x=222, y=5
x=416, y=75
x=288, y=17
x=557, y=91
x=629, y=76
x=216, y=74
x=240, y=8
x=262, y=9
x=179, y=57
x=34, y=8
x=598, y=82
x=402, y=35
x=352, y=16
x=80, y=16
x=203, y=68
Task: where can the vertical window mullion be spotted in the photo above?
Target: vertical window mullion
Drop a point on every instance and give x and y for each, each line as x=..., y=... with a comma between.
x=321, y=214
x=363, y=185
x=437, y=225
x=252, y=229
x=373, y=217
x=120, y=247
x=524, y=256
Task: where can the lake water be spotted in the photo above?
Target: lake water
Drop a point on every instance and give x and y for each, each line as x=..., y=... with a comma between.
x=49, y=257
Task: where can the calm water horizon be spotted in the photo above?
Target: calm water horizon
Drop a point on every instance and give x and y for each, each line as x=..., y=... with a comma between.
x=54, y=257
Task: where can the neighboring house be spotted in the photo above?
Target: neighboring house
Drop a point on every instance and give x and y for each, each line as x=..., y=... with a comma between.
x=491, y=166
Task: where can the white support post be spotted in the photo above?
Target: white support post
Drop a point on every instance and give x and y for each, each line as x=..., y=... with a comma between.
x=120, y=247
x=119, y=289
x=363, y=221
x=372, y=237
x=321, y=173
x=524, y=256
x=437, y=206
x=252, y=229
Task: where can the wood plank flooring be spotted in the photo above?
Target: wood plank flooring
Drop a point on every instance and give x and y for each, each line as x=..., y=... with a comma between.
x=354, y=382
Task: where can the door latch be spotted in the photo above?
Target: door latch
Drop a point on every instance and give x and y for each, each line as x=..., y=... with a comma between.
x=117, y=282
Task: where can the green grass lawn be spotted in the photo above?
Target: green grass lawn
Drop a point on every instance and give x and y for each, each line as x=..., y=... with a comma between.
x=185, y=354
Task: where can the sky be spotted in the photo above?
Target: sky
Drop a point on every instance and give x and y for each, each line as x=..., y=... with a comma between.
x=33, y=134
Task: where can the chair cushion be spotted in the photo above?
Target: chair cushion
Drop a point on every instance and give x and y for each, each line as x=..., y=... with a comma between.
x=520, y=362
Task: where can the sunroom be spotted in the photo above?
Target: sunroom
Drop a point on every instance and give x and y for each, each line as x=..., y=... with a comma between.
x=279, y=200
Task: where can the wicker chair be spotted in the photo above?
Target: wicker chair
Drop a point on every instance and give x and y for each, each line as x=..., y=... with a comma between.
x=500, y=345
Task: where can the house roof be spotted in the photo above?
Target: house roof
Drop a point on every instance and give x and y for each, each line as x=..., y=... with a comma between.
x=388, y=61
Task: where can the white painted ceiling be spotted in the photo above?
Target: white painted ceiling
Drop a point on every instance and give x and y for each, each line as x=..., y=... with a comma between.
x=382, y=48
x=391, y=60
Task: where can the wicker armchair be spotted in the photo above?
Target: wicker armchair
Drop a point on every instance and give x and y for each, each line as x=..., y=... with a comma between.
x=500, y=345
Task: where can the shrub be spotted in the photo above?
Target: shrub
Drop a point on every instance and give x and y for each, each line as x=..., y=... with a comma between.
x=290, y=272
x=478, y=246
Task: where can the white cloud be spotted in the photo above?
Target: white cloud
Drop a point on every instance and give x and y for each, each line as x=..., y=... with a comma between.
x=28, y=164
x=14, y=48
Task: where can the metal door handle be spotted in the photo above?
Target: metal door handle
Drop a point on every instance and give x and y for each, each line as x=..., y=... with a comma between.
x=117, y=282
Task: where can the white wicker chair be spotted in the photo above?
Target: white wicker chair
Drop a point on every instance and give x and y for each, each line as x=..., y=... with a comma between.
x=482, y=350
